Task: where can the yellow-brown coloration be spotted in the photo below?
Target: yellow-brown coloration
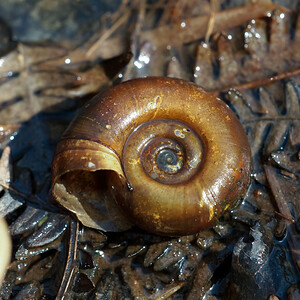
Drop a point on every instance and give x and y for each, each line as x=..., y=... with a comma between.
x=172, y=159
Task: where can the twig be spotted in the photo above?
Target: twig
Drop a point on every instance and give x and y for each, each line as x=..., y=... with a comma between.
x=107, y=34
x=15, y=191
x=72, y=253
x=265, y=81
x=211, y=22
x=287, y=218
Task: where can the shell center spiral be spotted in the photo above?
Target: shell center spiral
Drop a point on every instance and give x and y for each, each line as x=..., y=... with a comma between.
x=168, y=161
x=169, y=151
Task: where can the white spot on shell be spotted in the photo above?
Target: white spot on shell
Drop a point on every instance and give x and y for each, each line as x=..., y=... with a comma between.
x=194, y=163
x=179, y=133
x=91, y=165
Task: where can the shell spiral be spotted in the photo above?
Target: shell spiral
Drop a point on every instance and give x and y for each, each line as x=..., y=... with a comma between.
x=156, y=152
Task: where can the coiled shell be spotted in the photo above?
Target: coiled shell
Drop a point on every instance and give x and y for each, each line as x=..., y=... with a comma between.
x=156, y=152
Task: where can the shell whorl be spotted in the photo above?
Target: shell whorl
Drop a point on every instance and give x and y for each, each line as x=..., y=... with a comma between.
x=183, y=154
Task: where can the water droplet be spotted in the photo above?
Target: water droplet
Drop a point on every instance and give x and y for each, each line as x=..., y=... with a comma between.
x=183, y=25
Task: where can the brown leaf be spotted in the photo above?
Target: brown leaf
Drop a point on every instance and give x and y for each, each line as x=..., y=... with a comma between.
x=195, y=28
x=32, y=79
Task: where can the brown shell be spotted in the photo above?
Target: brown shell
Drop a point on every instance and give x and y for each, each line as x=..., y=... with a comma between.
x=104, y=158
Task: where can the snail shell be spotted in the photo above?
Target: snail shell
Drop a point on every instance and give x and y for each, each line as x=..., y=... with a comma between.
x=156, y=152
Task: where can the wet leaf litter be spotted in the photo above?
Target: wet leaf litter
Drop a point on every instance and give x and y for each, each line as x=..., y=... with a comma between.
x=252, y=66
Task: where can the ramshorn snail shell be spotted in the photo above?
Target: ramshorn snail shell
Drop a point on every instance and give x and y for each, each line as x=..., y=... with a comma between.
x=156, y=152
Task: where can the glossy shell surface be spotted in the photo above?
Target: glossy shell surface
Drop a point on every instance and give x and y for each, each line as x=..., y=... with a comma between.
x=159, y=153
